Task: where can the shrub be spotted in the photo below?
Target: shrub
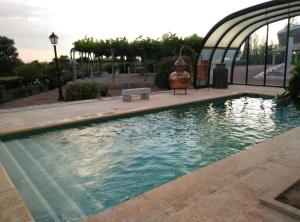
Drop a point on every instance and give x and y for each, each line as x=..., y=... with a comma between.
x=292, y=94
x=81, y=91
x=29, y=72
x=149, y=66
x=11, y=82
x=164, y=68
x=103, y=90
x=107, y=67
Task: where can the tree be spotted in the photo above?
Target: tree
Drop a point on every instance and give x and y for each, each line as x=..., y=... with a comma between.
x=194, y=42
x=30, y=72
x=8, y=56
x=171, y=44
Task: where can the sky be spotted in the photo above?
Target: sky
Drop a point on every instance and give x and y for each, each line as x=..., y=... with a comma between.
x=31, y=22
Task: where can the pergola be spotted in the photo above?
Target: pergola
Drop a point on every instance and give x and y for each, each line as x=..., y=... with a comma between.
x=224, y=40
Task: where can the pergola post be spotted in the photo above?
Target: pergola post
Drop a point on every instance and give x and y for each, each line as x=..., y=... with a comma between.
x=247, y=60
x=286, y=51
x=266, y=55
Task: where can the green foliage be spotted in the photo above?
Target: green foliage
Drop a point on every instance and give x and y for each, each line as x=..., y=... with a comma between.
x=8, y=56
x=193, y=42
x=164, y=69
x=171, y=44
x=1, y=93
x=49, y=72
x=81, y=91
x=292, y=94
x=103, y=90
x=107, y=67
x=294, y=82
x=149, y=66
x=11, y=82
x=144, y=47
x=30, y=72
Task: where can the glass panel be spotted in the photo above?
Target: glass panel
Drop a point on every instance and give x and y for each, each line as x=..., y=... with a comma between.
x=230, y=35
x=205, y=54
x=276, y=53
x=228, y=61
x=216, y=59
x=257, y=57
x=214, y=37
x=241, y=38
x=239, y=71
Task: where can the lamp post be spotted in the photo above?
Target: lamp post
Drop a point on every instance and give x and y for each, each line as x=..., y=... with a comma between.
x=54, y=39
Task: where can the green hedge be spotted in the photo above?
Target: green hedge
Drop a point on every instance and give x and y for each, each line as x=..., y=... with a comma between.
x=30, y=72
x=103, y=90
x=81, y=91
x=11, y=82
x=164, y=68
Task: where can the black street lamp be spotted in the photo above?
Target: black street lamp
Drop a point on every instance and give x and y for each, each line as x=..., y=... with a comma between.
x=54, y=39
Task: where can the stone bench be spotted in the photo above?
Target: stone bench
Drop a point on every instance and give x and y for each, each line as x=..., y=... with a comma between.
x=127, y=93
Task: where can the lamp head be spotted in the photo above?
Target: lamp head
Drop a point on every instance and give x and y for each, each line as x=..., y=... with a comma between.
x=53, y=38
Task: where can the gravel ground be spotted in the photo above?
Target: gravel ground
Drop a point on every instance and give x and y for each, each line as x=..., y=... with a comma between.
x=121, y=81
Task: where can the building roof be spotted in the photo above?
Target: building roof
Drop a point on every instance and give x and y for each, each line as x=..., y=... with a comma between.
x=296, y=47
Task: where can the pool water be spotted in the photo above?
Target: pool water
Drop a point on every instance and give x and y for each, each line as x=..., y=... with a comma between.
x=68, y=174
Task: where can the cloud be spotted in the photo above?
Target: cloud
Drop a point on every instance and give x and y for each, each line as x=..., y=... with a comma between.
x=18, y=10
x=30, y=22
x=24, y=23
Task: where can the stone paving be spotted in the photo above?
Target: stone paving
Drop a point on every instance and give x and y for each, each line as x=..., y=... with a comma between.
x=228, y=190
x=12, y=207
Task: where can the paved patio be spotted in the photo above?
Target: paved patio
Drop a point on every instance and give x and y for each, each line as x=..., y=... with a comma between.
x=228, y=190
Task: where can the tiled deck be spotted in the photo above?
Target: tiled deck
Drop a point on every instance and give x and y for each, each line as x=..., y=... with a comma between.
x=228, y=190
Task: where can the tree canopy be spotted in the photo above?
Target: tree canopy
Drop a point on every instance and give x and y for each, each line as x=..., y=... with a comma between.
x=144, y=47
x=8, y=56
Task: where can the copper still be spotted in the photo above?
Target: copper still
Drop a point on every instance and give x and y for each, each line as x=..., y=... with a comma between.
x=180, y=79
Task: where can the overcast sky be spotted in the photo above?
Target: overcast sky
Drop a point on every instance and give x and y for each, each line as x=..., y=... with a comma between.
x=31, y=22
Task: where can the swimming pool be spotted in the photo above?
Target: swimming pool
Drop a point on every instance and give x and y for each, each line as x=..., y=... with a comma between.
x=67, y=174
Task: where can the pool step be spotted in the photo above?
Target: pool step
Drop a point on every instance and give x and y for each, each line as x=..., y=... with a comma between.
x=14, y=165
x=48, y=187
x=74, y=187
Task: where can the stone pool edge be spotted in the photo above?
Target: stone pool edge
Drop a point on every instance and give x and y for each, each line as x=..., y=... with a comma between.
x=12, y=206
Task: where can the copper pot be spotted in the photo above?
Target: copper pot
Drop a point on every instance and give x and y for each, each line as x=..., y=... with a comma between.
x=180, y=79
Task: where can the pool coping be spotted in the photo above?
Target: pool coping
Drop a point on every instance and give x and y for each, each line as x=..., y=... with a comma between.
x=270, y=201
x=13, y=204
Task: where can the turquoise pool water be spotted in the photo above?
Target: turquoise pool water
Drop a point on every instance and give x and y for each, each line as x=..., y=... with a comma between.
x=68, y=174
